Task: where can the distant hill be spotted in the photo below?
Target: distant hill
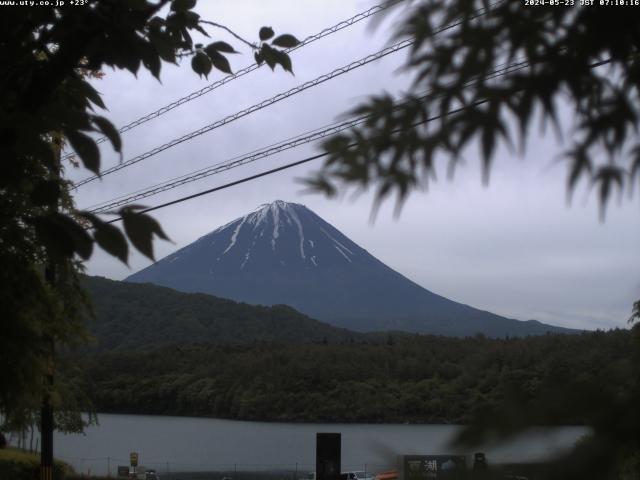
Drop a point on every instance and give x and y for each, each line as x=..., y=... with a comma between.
x=424, y=379
x=283, y=253
x=132, y=316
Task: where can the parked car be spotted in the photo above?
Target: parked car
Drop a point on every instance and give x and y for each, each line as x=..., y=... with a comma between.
x=152, y=475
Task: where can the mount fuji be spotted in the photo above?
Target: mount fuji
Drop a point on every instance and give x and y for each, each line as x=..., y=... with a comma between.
x=283, y=253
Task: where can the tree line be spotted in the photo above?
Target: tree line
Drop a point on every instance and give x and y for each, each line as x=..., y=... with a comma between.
x=426, y=379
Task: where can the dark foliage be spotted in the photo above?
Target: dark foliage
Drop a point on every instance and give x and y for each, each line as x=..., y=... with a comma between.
x=416, y=378
x=20, y=465
x=139, y=316
x=557, y=55
x=47, y=55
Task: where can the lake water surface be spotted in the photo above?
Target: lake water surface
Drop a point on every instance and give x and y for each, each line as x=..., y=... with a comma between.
x=204, y=444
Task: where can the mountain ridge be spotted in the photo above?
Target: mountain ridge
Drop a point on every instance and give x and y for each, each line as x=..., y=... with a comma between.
x=131, y=317
x=283, y=253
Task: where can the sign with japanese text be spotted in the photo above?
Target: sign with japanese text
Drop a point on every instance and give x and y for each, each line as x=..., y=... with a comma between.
x=431, y=467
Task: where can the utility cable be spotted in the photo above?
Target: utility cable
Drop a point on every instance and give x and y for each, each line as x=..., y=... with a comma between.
x=247, y=111
x=270, y=101
x=227, y=165
x=288, y=165
x=315, y=157
x=244, y=71
x=268, y=151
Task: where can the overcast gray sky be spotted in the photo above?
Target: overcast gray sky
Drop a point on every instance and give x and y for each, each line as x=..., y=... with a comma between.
x=514, y=248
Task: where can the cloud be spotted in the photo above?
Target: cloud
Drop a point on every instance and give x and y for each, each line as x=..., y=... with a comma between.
x=513, y=248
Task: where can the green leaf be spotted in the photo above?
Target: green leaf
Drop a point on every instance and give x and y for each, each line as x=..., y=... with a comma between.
x=181, y=21
x=266, y=33
x=163, y=45
x=42, y=150
x=130, y=60
x=150, y=58
x=267, y=54
x=201, y=64
x=140, y=229
x=82, y=242
x=635, y=166
x=109, y=131
x=202, y=31
x=285, y=41
x=188, y=42
x=283, y=59
x=91, y=93
x=63, y=236
x=191, y=19
x=580, y=165
x=220, y=47
x=182, y=5
x=488, y=139
x=109, y=237
x=219, y=61
x=52, y=237
x=86, y=149
x=608, y=177
x=46, y=192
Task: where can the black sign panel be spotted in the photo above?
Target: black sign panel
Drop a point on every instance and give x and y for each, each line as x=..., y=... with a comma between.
x=328, y=460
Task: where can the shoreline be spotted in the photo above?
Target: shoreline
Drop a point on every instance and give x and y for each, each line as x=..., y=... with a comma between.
x=318, y=422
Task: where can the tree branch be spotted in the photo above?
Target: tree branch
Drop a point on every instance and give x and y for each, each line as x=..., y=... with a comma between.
x=213, y=24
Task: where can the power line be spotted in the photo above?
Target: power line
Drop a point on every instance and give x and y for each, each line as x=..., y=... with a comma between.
x=265, y=103
x=201, y=173
x=247, y=111
x=244, y=71
x=315, y=157
x=265, y=152
x=287, y=166
x=227, y=165
x=237, y=182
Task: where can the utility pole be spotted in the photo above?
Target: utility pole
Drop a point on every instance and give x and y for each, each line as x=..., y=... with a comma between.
x=46, y=412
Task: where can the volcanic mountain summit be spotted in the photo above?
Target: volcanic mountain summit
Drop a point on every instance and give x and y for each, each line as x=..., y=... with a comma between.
x=283, y=253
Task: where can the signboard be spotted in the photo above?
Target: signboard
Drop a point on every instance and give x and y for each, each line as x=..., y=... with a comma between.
x=431, y=467
x=133, y=458
x=141, y=472
x=123, y=471
x=328, y=456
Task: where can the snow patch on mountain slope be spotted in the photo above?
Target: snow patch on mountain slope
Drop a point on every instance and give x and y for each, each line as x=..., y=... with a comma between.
x=275, y=212
x=339, y=246
x=292, y=213
x=234, y=236
x=342, y=253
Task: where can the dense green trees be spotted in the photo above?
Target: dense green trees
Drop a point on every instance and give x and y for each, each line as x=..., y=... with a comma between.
x=133, y=315
x=557, y=59
x=417, y=378
x=46, y=54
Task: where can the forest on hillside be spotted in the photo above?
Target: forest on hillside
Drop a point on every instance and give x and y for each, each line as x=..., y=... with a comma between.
x=396, y=379
x=134, y=316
